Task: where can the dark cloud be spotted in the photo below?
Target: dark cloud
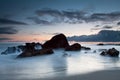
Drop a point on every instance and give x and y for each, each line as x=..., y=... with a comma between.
x=8, y=30
x=103, y=17
x=56, y=33
x=8, y=21
x=3, y=39
x=38, y=21
x=47, y=16
x=97, y=26
x=107, y=27
x=118, y=23
x=103, y=35
x=49, y=12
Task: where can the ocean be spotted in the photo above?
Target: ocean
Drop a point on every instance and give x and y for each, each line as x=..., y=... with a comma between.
x=40, y=67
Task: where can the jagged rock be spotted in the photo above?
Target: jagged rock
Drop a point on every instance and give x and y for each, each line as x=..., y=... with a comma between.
x=73, y=47
x=31, y=51
x=111, y=52
x=11, y=50
x=85, y=48
x=35, y=53
x=58, y=41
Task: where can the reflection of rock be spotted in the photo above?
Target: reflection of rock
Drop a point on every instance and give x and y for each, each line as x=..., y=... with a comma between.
x=11, y=50
x=58, y=41
x=111, y=52
x=66, y=54
x=73, y=47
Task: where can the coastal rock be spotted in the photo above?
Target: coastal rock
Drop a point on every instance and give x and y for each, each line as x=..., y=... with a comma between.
x=101, y=44
x=85, y=48
x=58, y=41
x=111, y=52
x=30, y=50
x=11, y=50
x=73, y=47
x=35, y=53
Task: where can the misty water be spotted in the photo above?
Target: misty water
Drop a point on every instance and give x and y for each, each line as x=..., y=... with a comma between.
x=76, y=62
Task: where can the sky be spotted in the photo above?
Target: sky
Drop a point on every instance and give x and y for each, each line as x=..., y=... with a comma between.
x=39, y=20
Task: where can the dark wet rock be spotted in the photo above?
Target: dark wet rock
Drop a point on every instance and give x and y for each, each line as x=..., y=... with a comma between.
x=111, y=52
x=21, y=47
x=30, y=50
x=101, y=44
x=58, y=41
x=74, y=47
x=94, y=51
x=11, y=50
x=35, y=53
x=85, y=48
x=103, y=53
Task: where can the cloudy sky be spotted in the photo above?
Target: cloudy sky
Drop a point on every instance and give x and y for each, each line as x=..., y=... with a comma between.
x=39, y=20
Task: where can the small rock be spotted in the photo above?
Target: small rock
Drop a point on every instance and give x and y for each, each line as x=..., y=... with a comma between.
x=74, y=47
x=111, y=52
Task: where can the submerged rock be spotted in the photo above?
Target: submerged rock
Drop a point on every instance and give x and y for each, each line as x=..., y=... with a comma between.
x=73, y=47
x=58, y=41
x=111, y=52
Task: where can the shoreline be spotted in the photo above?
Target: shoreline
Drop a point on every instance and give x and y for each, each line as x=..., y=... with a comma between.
x=97, y=75
x=113, y=74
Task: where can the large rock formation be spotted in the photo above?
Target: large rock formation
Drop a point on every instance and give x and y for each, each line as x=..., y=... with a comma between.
x=31, y=51
x=111, y=52
x=58, y=41
x=73, y=47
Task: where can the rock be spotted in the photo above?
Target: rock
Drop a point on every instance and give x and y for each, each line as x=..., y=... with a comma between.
x=111, y=52
x=36, y=52
x=85, y=48
x=73, y=47
x=21, y=47
x=100, y=44
x=11, y=50
x=103, y=53
x=30, y=50
x=58, y=41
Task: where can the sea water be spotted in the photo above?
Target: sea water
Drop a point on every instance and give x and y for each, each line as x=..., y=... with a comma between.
x=57, y=64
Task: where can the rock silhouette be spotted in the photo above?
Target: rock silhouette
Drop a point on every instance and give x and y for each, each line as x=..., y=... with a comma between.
x=73, y=47
x=31, y=51
x=58, y=41
x=111, y=52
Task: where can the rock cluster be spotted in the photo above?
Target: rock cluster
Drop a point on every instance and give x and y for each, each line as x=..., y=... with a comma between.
x=58, y=41
x=111, y=52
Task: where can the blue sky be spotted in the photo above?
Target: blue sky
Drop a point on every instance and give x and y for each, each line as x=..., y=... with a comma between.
x=38, y=20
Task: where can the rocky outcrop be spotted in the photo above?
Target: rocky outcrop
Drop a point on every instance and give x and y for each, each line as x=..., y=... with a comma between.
x=11, y=50
x=111, y=52
x=35, y=53
x=73, y=47
x=30, y=50
x=85, y=48
x=58, y=41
